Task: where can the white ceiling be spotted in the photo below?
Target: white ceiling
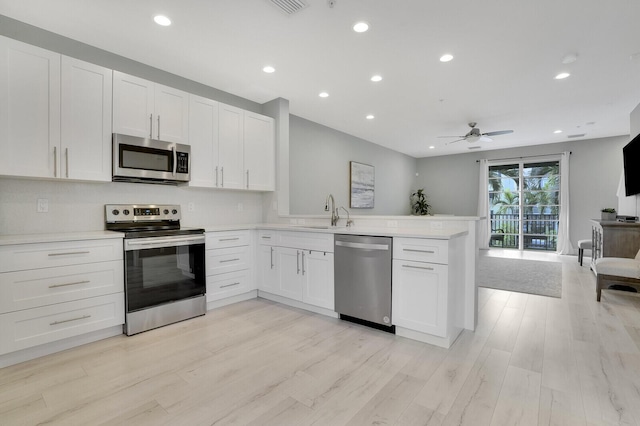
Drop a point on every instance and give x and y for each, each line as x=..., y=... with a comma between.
x=507, y=53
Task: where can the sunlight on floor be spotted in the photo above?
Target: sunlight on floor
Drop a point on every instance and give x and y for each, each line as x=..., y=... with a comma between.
x=528, y=254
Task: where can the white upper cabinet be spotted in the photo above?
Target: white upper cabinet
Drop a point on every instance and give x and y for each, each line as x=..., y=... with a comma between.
x=259, y=152
x=55, y=115
x=85, y=152
x=231, y=150
x=203, y=138
x=149, y=110
x=29, y=110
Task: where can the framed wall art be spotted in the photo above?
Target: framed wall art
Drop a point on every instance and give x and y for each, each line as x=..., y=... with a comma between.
x=362, y=186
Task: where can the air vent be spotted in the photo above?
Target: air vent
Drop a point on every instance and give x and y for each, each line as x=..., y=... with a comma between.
x=474, y=147
x=289, y=6
x=579, y=135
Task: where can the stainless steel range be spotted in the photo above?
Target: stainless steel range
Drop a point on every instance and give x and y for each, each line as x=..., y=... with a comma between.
x=164, y=265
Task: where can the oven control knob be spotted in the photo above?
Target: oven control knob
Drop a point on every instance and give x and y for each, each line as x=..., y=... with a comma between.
x=115, y=212
x=165, y=211
x=174, y=211
x=125, y=212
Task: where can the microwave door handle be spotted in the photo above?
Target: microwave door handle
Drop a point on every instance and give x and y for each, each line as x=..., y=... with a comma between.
x=175, y=158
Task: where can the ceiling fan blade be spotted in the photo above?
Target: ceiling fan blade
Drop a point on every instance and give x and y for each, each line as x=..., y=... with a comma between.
x=499, y=132
x=449, y=143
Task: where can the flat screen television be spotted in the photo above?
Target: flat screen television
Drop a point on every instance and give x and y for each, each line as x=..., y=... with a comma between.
x=631, y=157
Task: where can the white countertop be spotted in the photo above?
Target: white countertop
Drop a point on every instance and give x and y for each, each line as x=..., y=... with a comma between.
x=443, y=234
x=57, y=237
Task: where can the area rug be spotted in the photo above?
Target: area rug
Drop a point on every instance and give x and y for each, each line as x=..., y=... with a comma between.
x=524, y=276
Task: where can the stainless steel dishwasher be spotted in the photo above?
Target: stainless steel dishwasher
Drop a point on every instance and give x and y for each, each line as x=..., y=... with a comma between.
x=362, y=266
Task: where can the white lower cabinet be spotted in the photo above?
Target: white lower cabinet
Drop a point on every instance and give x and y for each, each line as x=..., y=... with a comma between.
x=297, y=273
x=58, y=290
x=427, y=282
x=229, y=264
x=420, y=296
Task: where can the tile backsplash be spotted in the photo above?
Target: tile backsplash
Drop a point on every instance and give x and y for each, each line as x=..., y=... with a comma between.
x=79, y=206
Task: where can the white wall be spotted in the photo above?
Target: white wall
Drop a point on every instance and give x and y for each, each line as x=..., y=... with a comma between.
x=319, y=165
x=451, y=182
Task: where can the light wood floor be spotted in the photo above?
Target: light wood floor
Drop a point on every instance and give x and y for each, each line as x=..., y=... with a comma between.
x=533, y=360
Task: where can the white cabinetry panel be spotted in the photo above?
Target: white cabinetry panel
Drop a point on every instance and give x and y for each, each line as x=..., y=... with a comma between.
x=231, y=148
x=259, y=152
x=203, y=138
x=29, y=110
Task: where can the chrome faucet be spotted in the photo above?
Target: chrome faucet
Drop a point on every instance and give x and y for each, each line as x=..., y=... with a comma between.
x=349, y=221
x=334, y=211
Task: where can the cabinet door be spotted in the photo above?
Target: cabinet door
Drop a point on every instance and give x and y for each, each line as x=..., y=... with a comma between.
x=133, y=105
x=259, y=152
x=268, y=276
x=29, y=110
x=420, y=296
x=86, y=121
x=289, y=268
x=317, y=272
x=171, y=119
x=231, y=150
x=203, y=138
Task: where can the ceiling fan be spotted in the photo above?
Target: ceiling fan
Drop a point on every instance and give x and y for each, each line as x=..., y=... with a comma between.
x=474, y=135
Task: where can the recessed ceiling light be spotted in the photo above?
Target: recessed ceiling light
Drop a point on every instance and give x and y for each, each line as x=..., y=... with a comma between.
x=323, y=94
x=376, y=78
x=268, y=69
x=432, y=147
x=370, y=117
x=446, y=58
x=562, y=75
x=162, y=20
x=557, y=131
x=360, y=27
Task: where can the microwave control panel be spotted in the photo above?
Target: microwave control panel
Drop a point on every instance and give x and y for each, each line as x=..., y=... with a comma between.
x=183, y=162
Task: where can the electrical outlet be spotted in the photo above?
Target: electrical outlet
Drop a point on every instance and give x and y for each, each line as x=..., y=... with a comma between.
x=392, y=224
x=436, y=225
x=240, y=207
x=191, y=207
x=42, y=205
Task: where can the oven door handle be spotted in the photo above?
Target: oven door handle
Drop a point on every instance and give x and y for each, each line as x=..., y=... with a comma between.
x=162, y=242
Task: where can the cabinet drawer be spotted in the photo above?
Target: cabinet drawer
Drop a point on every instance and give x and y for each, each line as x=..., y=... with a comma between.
x=228, y=259
x=40, y=287
x=32, y=327
x=267, y=237
x=20, y=257
x=421, y=250
x=227, y=285
x=316, y=241
x=215, y=240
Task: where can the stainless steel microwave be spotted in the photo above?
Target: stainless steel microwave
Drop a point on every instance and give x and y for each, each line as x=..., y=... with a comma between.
x=146, y=160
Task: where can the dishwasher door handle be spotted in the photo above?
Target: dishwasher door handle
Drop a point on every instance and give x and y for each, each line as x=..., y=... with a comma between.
x=364, y=246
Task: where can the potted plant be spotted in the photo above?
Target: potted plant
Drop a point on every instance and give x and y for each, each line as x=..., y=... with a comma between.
x=419, y=205
x=608, y=214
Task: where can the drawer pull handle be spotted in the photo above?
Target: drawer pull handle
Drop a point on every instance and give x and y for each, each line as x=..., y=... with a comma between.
x=64, y=285
x=266, y=237
x=229, y=285
x=420, y=251
x=418, y=267
x=69, y=253
x=69, y=320
x=230, y=260
x=229, y=239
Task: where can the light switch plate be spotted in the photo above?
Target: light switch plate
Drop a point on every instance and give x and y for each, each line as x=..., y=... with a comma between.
x=191, y=206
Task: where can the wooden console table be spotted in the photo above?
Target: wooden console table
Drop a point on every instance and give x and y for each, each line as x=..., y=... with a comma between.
x=614, y=239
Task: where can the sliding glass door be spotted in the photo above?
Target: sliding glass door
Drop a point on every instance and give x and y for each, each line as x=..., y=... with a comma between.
x=524, y=205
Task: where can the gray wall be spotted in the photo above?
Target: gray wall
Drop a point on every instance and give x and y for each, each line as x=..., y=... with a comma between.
x=451, y=182
x=319, y=165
